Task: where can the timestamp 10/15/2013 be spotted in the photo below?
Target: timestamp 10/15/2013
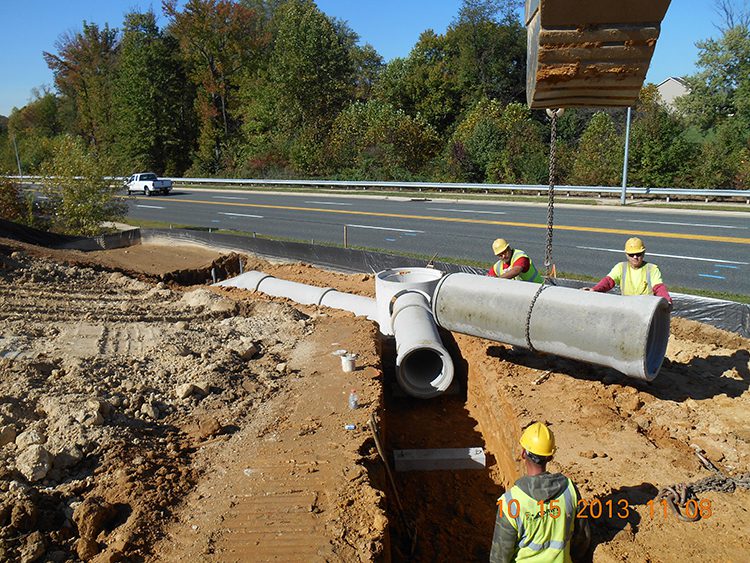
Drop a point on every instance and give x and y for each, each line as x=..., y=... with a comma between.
x=595, y=509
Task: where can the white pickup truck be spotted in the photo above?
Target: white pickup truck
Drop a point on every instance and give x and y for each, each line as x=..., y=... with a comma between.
x=147, y=183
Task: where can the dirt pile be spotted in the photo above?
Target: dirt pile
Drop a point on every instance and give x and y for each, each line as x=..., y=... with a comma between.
x=116, y=391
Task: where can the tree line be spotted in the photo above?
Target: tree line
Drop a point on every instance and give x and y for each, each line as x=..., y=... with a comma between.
x=279, y=89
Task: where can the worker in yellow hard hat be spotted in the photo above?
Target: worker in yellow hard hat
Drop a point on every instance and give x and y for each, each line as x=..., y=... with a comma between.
x=536, y=519
x=634, y=276
x=512, y=264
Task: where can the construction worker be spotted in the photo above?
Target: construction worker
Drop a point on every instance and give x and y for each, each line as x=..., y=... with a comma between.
x=513, y=264
x=635, y=276
x=536, y=519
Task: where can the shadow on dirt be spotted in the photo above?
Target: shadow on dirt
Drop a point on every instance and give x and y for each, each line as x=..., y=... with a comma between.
x=700, y=378
x=615, y=512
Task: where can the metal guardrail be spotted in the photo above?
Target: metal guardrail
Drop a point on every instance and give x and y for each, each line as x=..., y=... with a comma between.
x=444, y=186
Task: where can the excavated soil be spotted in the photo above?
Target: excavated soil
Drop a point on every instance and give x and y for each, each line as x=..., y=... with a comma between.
x=147, y=417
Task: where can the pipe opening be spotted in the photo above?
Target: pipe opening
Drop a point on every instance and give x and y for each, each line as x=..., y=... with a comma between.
x=423, y=373
x=656, y=343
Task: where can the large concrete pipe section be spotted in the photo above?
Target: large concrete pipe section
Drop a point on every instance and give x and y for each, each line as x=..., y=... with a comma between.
x=390, y=283
x=629, y=334
x=424, y=368
x=303, y=293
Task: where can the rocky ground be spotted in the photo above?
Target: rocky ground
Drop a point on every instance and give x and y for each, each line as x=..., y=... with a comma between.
x=145, y=416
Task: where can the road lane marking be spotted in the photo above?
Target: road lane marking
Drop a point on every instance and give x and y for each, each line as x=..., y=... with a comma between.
x=619, y=251
x=384, y=228
x=655, y=234
x=467, y=211
x=711, y=276
x=229, y=197
x=328, y=203
x=682, y=224
x=727, y=266
x=150, y=206
x=242, y=215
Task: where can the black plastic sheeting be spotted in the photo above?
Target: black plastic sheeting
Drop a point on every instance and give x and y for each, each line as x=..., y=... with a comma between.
x=727, y=315
x=30, y=235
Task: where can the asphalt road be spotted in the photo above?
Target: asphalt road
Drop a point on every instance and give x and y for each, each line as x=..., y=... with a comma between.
x=694, y=249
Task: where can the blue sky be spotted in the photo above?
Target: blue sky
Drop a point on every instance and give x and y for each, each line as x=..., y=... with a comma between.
x=27, y=28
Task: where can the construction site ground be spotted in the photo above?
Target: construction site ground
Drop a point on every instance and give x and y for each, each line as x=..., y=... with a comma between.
x=145, y=416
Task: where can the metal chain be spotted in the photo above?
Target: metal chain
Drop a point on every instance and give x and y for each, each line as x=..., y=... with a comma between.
x=550, y=222
x=551, y=200
x=678, y=495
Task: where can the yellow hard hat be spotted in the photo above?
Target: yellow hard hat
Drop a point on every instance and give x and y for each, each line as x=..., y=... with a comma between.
x=634, y=245
x=499, y=245
x=538, y=439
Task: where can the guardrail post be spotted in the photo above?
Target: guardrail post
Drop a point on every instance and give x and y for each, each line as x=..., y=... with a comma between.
x=345, y=241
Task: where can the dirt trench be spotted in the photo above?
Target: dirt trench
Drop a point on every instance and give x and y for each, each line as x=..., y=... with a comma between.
x=258, y=465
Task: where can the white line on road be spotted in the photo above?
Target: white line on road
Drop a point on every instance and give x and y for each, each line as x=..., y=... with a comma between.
x=385, y=229
x=242, y=215
x=327, y=203
x=667, y=256
x=229, y=197
x=468, y=211
x=683, y=224
x=150, y=206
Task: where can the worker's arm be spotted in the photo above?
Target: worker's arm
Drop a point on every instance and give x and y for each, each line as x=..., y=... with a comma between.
x=604, y=285
x=504, y=540
x=519, y=266
x=659, y=289
x=580, y=541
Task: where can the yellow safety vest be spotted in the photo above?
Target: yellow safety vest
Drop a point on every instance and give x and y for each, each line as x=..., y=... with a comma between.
x=542, y=538
x=531, y=274
x=644, y=288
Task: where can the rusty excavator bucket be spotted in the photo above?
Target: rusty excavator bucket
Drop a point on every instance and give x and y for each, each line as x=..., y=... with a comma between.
x=589, y=52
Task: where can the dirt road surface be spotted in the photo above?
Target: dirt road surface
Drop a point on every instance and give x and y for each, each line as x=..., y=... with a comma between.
x=145, y=416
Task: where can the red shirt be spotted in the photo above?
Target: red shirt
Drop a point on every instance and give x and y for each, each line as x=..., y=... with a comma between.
x=523, y=262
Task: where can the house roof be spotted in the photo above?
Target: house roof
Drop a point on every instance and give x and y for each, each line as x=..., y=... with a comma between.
x=676, y=79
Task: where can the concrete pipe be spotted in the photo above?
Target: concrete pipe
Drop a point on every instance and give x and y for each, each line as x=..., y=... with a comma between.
x=390, y=283
x=358, y=304
x=303, y=293
x=424, y=368
x=249, y=280
x=629, y=334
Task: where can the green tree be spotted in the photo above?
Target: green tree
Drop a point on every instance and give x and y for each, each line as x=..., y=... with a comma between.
x=497, y=144
x=488, y=44
x=375, y=141
x=79, y=198
x=523, y=158
x=476, y=142
x=482, y=55
x=718, y=104
x=599, y=159
x=721, y=88
x=720, y=156
x=152, y=100
x=660, y=154
x=42, y=118
x=311, y=70
x=84, y=70
x=220, y=40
